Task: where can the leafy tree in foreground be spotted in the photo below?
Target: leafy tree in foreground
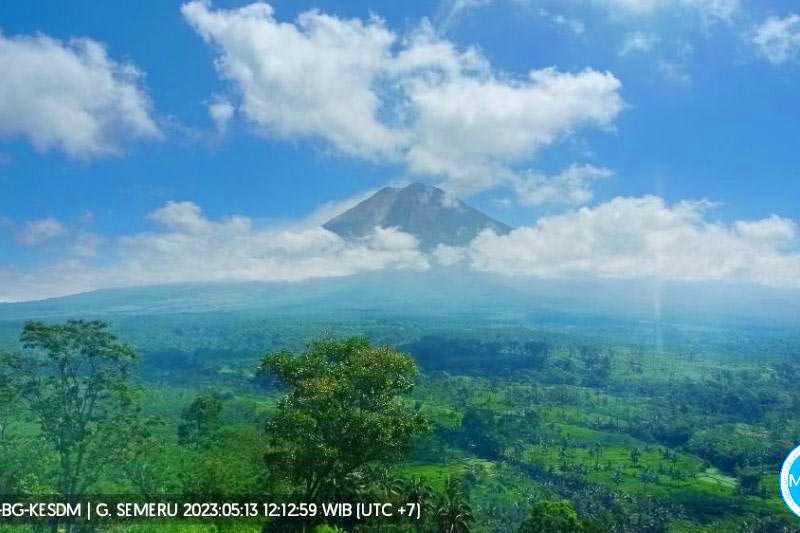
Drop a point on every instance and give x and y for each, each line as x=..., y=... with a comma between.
x=8, y=399
x=73, y=378
x=344, y=410
x=13, y=463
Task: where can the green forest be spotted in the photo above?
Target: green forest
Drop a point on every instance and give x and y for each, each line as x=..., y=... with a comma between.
x=484, y=427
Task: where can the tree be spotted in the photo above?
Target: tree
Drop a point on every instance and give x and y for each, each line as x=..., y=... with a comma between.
x=418, y=491
x=598, y=366
x=200, y=419
x=343, y=411
x=636, y=455
x=21, y=455
x=152, y=465
x=480, y=433
x=73, y=378
x=597, y=454
x=552, y=517
x=229, y=465
x=8, y=400
x=749, y=480
x=453, y=512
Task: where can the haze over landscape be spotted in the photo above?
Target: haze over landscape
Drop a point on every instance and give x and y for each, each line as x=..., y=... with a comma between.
x=424, y=237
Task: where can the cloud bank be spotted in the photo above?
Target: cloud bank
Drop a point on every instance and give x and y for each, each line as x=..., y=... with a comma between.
x=625, y=238
x=630, y=238
x=186, y=246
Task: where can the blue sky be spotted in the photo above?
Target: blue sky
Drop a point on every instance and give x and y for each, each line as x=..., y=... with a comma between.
x=673, y=100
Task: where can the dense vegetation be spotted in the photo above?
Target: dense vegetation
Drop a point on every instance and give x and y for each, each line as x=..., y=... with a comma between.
x=505, y=428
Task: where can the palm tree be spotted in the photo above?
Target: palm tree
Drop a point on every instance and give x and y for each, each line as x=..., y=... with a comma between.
x=453, y=512
x=375, y=482
x=636, y=455
x=597, y=453
x=417, y=491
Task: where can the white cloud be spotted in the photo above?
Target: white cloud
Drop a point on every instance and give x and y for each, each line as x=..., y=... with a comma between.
x=644, y=237
x=312, y=78
x=87, y=244
x=709, y=9
x=392, y=239
x=625, y=238
x=675, y=72
x=189, y=247
x=70, y=97
x=187, y=218
x=571, y=186
x=576, y=26
x=719, y=9
x=638, y=41
x=221, y=112
x=35, y=232
x=449, y=255
x=769, y=230
x=472, y=131
x=232, y=249
x=453, y=9
x=417, y=100
x=778, y=39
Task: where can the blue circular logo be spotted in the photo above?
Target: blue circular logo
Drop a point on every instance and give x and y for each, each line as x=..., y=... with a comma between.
x=790, y=481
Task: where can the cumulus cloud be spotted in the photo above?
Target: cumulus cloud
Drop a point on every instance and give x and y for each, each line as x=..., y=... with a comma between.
x=187, y=246
x=36, y=232
x=472, y=130
x=449, y=255
x=780, y=231
x=70, y=97
x=234, y=249
x=312, y=78
x=644, y=237
x=571, y=186
x=778, y=39
x=625, y=238
x=416, y=100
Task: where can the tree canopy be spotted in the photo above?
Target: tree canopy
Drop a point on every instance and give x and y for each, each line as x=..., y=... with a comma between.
x=343, y=410
x=74, y=379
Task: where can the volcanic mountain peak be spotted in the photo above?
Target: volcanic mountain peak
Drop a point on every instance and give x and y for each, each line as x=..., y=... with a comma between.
x=426, y=212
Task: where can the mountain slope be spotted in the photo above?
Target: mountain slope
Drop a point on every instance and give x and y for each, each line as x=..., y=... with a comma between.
x=426, y=212
x=438, y=292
